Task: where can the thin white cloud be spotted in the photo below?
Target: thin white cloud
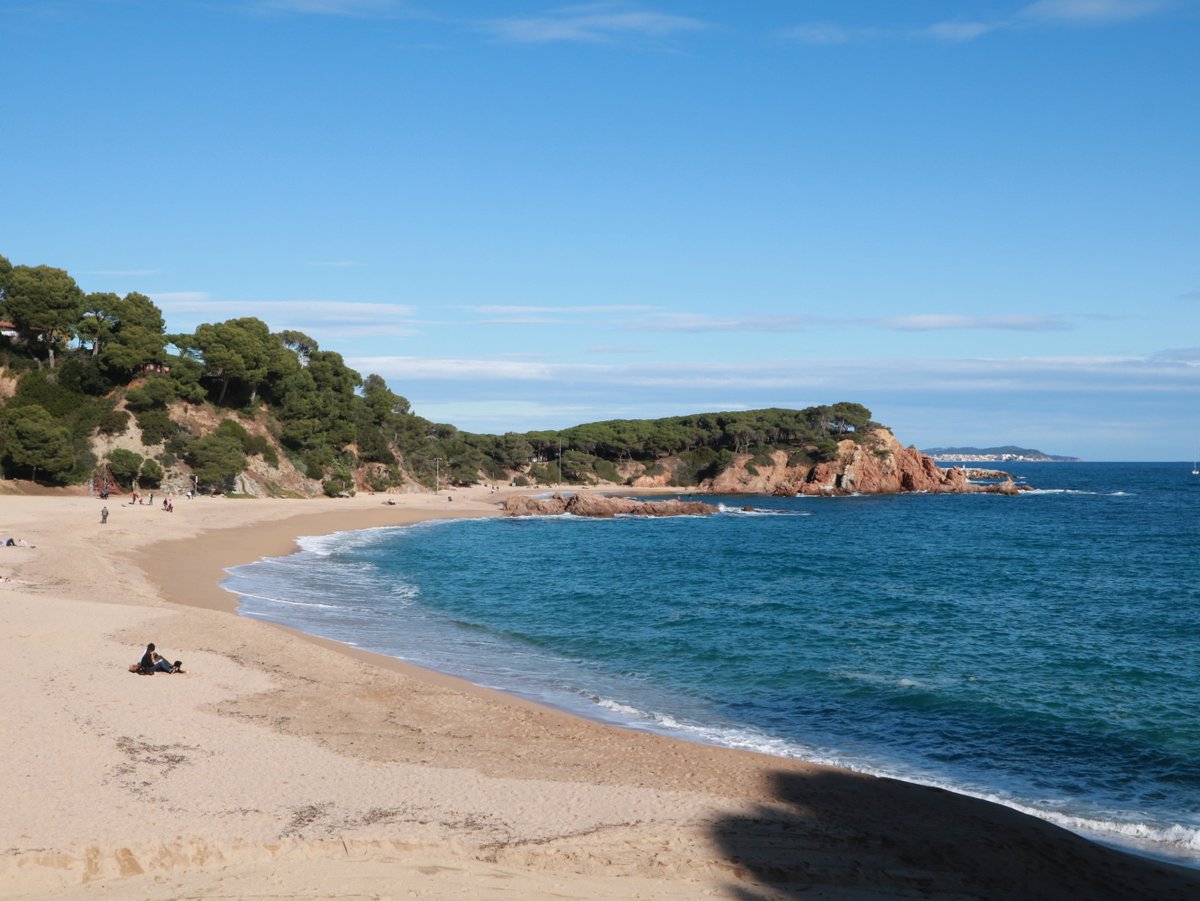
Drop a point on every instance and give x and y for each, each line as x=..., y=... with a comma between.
x=327, y=321
x=943, y=322
x=595, y=23
x=1090, y=12
x=354, y=8
x=958, y=30
x=451, y=369
x=1188, y=356
x=1166, y=371
x=329, y=331
x=1062, y=401
x=1073, y=13
x=497, y=416
x=513, y=310
x=200, y=302
x=502, y=314
x=615, y=349
x=522, y=320
x=1040, y=13
x=694, y=322
x=821, y=33
x=180, y=299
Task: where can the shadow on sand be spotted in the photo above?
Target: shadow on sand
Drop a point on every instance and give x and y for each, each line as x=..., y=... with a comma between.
x=833, y=834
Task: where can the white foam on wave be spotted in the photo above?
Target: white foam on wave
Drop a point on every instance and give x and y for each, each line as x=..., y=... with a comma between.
x=618, y=707
x=759, y=511
x=326, y=545
x=826, y=495
x=289, y=603
x=873, y=679
x=730, y=737
x=1036, y=491
x=651, y=517
x=1176, y=842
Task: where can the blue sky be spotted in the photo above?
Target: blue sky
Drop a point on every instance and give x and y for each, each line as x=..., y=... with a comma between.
x=979, y=219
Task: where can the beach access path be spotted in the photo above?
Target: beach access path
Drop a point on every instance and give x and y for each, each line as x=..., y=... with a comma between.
x=287, y=766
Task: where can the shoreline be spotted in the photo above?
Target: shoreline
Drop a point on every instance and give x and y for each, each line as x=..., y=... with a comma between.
x=335, y=521
x=381, y=769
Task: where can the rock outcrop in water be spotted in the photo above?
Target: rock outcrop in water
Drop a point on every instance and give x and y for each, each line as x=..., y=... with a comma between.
x=874, y=464
x=600, y=506
x=878, y=465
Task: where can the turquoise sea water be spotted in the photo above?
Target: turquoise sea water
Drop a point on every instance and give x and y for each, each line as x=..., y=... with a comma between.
x=1042, y=651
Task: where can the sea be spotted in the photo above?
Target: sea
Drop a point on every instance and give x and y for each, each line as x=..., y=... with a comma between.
x=1040, y=651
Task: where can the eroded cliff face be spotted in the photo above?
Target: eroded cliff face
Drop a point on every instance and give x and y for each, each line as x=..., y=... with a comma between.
x=880, y=465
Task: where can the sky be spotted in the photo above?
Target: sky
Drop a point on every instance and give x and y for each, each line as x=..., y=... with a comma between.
x=980, y=219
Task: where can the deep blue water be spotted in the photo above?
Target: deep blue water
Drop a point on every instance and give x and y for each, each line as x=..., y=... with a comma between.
x=1042, y=651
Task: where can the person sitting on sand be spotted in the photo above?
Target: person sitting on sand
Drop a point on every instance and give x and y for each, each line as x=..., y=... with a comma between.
x=153, y=663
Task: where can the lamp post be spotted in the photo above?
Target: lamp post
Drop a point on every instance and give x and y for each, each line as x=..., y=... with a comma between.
x=437, y=468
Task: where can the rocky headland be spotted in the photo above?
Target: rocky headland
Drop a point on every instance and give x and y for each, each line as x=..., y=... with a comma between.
x=878, y=465
x=1008, y=454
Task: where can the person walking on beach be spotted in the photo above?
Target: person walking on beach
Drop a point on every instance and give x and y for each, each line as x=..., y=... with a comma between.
x=103, y=514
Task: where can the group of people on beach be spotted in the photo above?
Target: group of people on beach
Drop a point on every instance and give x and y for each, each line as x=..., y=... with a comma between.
x=168, y=506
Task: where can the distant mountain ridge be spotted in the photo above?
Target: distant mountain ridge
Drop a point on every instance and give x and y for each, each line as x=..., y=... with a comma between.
x=1007, y=454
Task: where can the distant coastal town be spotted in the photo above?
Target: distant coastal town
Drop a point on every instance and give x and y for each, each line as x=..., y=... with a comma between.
x=1006, y=454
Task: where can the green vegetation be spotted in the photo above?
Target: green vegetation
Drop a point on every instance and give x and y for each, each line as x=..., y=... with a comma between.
x=87, y=365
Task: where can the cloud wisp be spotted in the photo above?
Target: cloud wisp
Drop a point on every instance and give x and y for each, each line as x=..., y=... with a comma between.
x=943, y=322
x=1090, y=12
x=526, y=310
x=1040, y=13
x=1028, y=393
x=323, y=319
x=699, y=322
x=1170, y=370
x=353, y=8
x=922, y=322
x=592, y=23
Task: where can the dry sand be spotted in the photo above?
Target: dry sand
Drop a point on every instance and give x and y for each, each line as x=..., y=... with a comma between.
x=288, y=767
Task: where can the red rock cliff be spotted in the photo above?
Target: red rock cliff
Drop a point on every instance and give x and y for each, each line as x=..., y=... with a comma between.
x=879, y=465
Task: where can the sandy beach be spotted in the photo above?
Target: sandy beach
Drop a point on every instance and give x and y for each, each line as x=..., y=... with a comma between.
x=285, y=766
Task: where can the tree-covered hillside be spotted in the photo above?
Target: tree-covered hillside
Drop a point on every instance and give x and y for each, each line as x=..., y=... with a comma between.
x=83, y=370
